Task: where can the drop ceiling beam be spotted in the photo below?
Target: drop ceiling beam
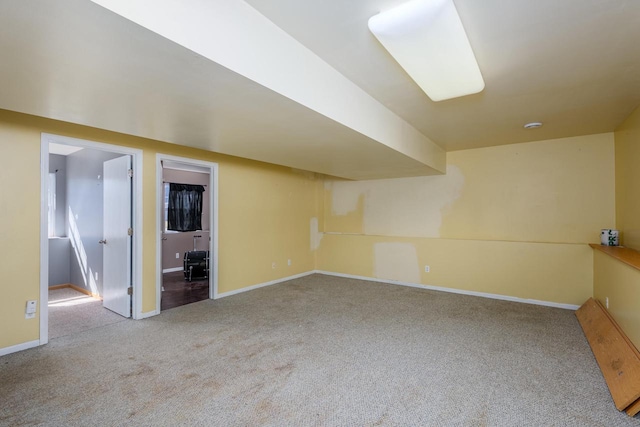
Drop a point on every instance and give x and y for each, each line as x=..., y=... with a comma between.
x=233, y=34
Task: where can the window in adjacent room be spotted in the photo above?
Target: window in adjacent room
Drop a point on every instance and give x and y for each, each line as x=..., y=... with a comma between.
x=184, y=207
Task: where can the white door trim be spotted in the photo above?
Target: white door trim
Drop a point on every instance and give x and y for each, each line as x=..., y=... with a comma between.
x=136, y=262
x=213, y=220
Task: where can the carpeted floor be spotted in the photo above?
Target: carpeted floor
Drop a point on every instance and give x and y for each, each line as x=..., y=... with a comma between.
x=318, y=351
x=71, y=312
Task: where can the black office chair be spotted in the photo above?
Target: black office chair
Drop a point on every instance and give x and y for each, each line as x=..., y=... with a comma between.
x=196, y=265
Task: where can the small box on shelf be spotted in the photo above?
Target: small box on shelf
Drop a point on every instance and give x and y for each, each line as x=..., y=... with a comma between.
x=609, y=237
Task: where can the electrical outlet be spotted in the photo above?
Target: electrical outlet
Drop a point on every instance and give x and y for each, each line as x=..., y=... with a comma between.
x=96, y=276
x=30, y=312
x=177, y=255
x=273, y=265
x=426, y=269
x=288, y=262
x=606, y=302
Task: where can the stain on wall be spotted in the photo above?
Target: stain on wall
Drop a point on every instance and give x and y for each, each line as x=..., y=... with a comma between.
x=346, y=218
x=315, y=235
x=510, y=220
x=396, y=261
x=547, y=191
x=395, y=207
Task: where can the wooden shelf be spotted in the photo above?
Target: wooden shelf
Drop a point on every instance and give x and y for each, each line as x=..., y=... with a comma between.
x=626, y=255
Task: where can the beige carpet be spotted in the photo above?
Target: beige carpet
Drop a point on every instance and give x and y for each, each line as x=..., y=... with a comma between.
x=318, y=351
x=71, y=312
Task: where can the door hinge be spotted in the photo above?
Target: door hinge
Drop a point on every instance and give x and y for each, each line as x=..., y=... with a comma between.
x=130, y=231
x=130, y=173
x=130, y=290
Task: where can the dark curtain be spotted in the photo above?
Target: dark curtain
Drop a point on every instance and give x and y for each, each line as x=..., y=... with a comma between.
x=185, y=207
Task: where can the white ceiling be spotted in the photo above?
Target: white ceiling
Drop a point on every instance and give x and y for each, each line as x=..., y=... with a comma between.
x=188, y=167
x=572, y=64
x=62, y=150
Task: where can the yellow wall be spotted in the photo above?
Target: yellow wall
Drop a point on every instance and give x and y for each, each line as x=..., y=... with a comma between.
x=511, y=220
x=264, y=217
x=559, y=273
x=627, y=139
x=558, y=190
x=613, y=279
x=621, y=284
x=19, y=234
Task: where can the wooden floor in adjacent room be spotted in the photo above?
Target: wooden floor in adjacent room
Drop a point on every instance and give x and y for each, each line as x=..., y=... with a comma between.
x=177, y=291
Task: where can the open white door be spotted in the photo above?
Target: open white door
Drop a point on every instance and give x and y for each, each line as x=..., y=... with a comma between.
x=116, y=278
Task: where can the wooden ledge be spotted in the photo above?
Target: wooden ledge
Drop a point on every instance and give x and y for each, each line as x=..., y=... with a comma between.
x=626, y=255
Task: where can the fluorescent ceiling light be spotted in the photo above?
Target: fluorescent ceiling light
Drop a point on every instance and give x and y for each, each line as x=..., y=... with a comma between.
x=428, y=40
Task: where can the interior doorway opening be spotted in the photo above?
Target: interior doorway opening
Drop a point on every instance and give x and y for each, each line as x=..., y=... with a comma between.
x=187, y=220
x=89, y=251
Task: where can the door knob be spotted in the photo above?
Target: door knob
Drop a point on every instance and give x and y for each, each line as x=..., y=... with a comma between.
x=103, y=241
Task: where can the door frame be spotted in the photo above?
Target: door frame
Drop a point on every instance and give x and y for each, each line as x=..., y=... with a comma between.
x=213, y=220
x=136, y=220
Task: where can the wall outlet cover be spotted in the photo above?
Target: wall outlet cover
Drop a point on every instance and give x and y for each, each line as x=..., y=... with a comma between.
x=31, y=308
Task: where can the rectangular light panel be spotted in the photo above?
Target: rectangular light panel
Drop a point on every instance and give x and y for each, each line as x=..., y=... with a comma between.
x=428, y=40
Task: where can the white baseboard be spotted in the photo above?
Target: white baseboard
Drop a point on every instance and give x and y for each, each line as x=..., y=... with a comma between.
x=172, y=270
x=19, y=347
x=455, y=291
x=262, y=285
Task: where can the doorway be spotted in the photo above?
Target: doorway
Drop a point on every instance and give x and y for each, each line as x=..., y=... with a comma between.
x=187, y=231
x=88, y=273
